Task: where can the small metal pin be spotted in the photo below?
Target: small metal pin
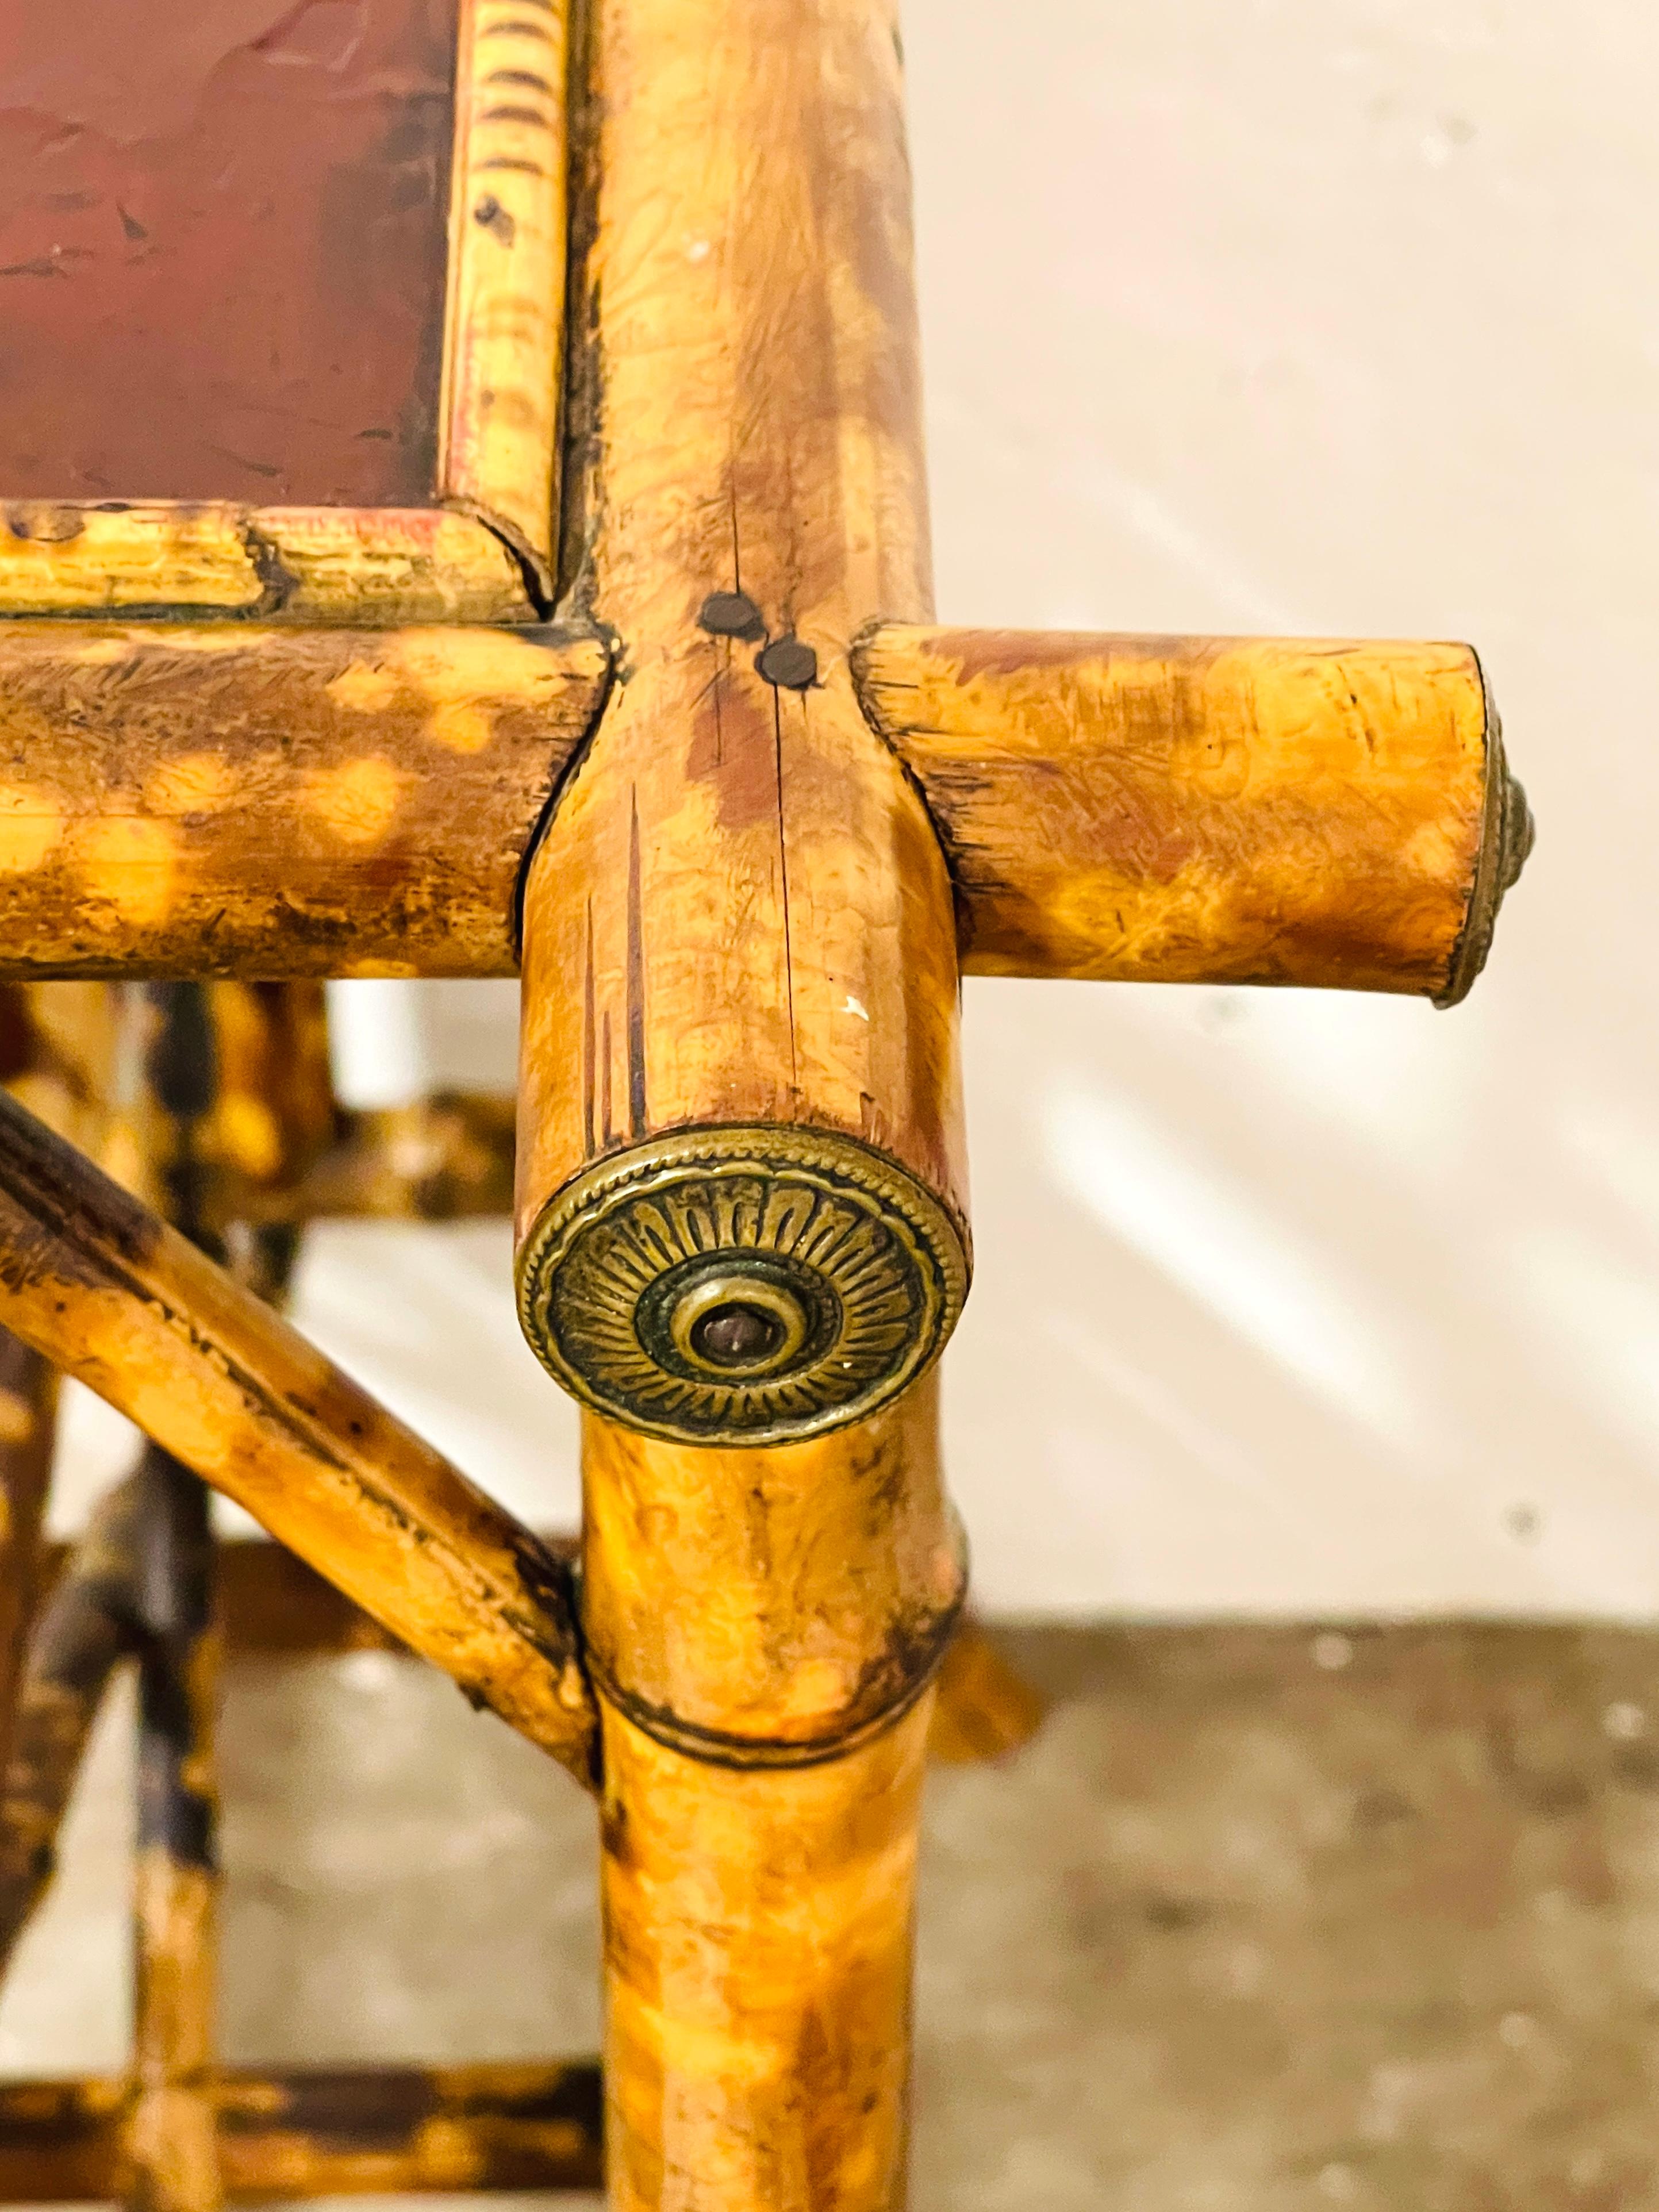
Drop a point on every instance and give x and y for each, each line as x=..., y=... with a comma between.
x=788, y=663
x=732, y=614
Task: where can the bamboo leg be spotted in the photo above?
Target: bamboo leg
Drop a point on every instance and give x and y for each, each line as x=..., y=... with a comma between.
x=170, y=2140
x=757, y=1951
x=741, y=1191
x=763, y=1628
x=28, y=1404
x=84, y=1631
x=739, y=947
x=324, y=2131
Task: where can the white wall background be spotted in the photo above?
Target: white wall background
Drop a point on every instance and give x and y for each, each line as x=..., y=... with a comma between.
x=1328, y=316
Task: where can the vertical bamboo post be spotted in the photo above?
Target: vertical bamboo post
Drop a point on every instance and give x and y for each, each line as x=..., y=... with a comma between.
x=28, y=1403
x=172, y=2134
x=741, y=1194
x=84, y=1631
x=28, y=1416
x=763, y=1628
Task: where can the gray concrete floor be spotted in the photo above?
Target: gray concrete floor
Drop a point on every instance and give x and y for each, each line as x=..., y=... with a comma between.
x=1265, y=1919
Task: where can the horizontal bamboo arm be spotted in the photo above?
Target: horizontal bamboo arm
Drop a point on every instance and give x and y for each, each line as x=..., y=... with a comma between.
x=113, y=1297
x=262, y=803
x=1208, y=810
x=334, y=2131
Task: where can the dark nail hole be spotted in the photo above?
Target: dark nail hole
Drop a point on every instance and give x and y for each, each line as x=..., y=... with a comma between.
x=492, y=216
x=46, y=525
x=732, y=614
x=790, y=664
x=736, y=1335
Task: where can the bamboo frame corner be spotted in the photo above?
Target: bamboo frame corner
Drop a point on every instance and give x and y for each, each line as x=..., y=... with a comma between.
x=746, y=815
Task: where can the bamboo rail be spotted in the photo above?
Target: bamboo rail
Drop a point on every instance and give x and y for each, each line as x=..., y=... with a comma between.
x=1333, y=814
x=1330, y=814
x=323, y=2132
x=270, y=803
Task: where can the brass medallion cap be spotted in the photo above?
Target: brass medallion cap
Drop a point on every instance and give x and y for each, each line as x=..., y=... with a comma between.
x=747, y=1285
x=1506, y=839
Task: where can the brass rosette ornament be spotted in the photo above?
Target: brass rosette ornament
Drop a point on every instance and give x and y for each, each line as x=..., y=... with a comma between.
x=748, y=1285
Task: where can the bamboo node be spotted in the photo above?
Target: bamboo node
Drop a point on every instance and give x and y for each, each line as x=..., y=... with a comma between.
x=742, y=1285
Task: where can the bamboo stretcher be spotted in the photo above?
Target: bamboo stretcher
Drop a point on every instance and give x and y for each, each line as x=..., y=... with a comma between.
x=587, y=634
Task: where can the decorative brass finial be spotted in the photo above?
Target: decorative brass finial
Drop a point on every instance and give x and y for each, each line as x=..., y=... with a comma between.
x=1507, y=838
x=741, y=1285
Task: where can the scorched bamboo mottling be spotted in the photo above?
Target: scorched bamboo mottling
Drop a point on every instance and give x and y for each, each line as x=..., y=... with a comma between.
x=325, y=2132
x=1325, y=812
x=266, y=803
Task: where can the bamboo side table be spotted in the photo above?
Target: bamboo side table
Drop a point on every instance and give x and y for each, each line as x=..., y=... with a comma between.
x=465, y=513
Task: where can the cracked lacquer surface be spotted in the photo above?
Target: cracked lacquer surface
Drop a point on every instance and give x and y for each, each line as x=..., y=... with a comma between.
x=261, y=183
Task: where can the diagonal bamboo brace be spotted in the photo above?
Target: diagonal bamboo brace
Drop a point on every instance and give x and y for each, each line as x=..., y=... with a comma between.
x=113, y=1296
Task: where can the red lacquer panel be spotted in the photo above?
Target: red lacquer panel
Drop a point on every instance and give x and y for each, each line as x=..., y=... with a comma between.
x=221, y=248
